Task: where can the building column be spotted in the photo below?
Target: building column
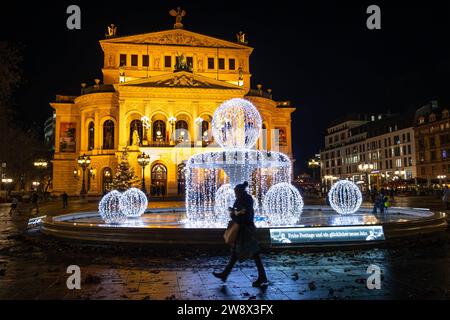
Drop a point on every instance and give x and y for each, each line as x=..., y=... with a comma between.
x=122, y=126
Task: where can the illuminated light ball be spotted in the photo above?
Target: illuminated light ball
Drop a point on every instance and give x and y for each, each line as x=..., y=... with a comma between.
x=283, y=204
x=345, y=197
x=109, y=208
x=225, y=199
x=236, y=124
x=133, y=203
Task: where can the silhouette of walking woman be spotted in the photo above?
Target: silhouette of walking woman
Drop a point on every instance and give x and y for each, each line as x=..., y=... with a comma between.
x=246, y=245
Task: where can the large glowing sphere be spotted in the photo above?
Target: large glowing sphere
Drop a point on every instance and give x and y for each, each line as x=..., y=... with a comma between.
x=224, y=199
x=109, y=208
x=345, y=197
x=283, y=204
x=236, y=124
x=133, y=203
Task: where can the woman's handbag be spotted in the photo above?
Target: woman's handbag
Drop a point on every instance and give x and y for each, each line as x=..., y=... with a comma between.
x=231, y=233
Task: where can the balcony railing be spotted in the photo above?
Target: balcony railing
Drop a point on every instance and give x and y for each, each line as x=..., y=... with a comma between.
x=178, y=144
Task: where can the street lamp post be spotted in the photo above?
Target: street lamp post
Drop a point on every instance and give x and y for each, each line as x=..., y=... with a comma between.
x=172, y=120
x=84, y=162
x=366, y=168
x=143, y=160
x=40, y=165
x=441, y=177
x=313, y=164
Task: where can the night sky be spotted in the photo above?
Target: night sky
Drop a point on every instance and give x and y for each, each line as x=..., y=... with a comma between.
x=318, y=54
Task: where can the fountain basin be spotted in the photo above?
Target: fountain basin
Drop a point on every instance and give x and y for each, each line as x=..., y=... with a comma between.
x=169, y=227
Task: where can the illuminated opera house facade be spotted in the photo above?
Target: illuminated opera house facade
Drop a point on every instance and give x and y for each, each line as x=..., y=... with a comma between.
x=158, y=95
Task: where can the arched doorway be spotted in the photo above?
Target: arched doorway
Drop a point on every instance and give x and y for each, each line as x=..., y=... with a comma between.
x=107, y=178
x=181, y=179
x=159, y=180
x=136, y=125
x=159, y=131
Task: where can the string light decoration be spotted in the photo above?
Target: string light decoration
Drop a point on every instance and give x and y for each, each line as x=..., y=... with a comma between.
x=236, y=124
x=109, y=208
x=203, y=177
x=133, y=203
x=283, y=204
x=345, y=197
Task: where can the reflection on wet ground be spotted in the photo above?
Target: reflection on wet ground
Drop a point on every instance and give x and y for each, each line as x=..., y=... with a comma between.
x=36, y=269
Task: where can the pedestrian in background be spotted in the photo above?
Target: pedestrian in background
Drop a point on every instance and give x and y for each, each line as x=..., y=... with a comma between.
x=14, y=205
x=446, y=198
x=34, y=202
x=65, y=199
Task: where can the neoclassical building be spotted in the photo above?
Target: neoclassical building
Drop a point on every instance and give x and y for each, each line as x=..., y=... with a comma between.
x=158, y=95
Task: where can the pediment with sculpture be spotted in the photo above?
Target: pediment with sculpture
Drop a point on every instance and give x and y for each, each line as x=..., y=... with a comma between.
x=179, y=37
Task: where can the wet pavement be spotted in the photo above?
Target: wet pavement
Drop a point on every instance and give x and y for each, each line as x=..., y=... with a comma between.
x=34, y=267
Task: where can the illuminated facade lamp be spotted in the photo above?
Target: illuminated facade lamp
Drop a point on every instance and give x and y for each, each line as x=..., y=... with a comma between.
x=84, y=162
x=441, y=178
x=143, y=160
x=40, y=164
x=172, y=120
x=35, y=184
x=199, y=120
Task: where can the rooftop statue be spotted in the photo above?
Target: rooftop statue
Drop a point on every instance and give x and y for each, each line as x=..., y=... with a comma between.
x=111, y=31
x=178, y=14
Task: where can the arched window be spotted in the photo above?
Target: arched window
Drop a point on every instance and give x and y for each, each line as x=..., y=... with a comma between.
x=108, y=134
x=159, y=131
x=136, y=125
x=91, y=136
x=181, y=130
x=159, y=180
x=107, y=178
x=181, y=179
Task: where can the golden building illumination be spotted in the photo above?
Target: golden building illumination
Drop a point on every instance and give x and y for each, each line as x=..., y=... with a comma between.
x=158, y=95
